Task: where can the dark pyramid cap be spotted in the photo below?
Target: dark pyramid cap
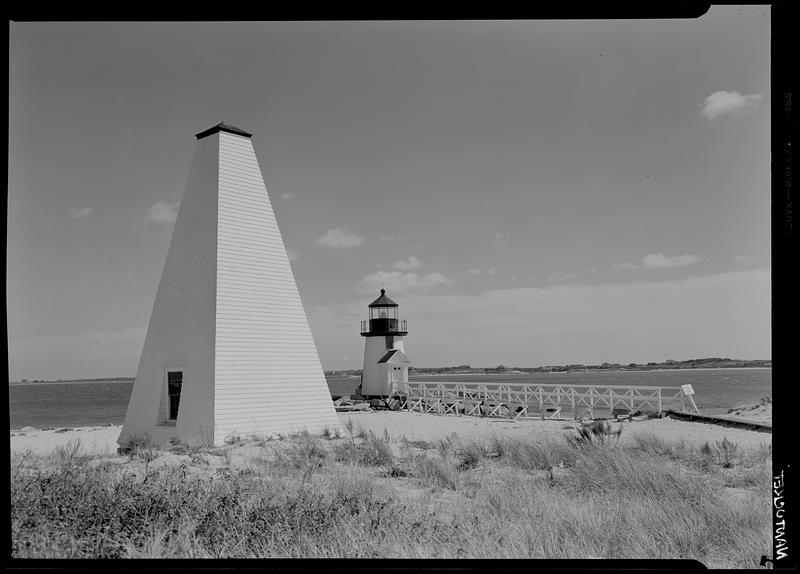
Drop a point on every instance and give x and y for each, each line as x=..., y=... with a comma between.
x=223, y=127
x=383, y=301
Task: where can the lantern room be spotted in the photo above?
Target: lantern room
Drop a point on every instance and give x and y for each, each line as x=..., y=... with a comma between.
x=383, y=318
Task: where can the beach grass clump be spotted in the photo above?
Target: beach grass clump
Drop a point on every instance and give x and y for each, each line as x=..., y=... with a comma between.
x=727, y=452
x=437, y=471
x=627, y=472
x=68, y=455
x=372, y=450
x=330, y=434
x=472, y=453
x=140, y=447
x=593, y=433
x=529, y=454
x=301, y=458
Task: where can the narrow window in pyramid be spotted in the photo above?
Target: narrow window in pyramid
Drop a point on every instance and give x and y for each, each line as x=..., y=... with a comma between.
x=174, y=383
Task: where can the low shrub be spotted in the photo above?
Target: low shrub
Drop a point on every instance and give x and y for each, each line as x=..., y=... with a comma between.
x=595, y=433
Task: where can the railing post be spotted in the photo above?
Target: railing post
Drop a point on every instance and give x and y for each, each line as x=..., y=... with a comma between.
x=660, y=408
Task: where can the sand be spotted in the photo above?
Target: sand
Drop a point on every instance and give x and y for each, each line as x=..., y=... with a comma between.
x=418, y=426
x=94, y=440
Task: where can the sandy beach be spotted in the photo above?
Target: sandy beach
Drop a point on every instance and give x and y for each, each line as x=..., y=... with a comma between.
x=418, y=426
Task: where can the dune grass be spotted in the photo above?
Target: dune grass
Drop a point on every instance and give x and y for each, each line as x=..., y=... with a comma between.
x=368, y=495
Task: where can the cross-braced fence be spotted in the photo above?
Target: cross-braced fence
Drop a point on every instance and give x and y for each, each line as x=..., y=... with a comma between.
x=534, y=400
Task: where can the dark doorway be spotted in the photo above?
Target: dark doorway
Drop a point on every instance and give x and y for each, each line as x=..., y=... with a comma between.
x=174, y=383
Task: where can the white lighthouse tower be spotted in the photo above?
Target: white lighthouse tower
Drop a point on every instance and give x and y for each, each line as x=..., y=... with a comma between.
x=228, y=348
x=385, y=364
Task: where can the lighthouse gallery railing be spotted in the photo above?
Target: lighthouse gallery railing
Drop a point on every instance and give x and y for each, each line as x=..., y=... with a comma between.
x=525, y=400
x=381, y=325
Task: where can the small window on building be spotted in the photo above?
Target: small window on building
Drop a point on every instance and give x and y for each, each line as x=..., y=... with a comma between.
x=174, y=383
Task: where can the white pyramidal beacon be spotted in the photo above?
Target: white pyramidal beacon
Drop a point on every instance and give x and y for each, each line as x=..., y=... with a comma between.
x=228, y=350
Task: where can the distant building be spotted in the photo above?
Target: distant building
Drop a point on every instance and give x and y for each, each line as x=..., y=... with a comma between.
x=228, y=348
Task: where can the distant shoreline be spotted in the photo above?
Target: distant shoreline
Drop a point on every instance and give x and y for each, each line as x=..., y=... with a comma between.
x=416, y=374
x=74, y=382
x=476, y=374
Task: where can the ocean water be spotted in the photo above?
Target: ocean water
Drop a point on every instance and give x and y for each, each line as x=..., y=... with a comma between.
x=65, y=405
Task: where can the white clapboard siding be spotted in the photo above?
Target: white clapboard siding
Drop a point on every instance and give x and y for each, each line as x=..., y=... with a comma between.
x=269, y=378
x=228, y=314
x=180, y=334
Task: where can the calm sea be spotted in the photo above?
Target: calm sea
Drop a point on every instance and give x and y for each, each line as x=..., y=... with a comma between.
x=43, y=405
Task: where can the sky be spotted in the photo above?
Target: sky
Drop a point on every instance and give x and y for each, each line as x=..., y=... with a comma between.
x=529, y=192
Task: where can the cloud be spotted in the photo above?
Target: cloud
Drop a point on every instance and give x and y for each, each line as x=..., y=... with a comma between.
x=398, y=282
x=404, y=265
x=729, y=103
x=292, y=254
x=492, y=270
x=162, y=212
x=81, y=213
x=474, y=271
x=561, y=276
x=286, y=196
x=746, y=259
x=626, y=265
x=389, y=239
x=339, y=237
x=658, y=260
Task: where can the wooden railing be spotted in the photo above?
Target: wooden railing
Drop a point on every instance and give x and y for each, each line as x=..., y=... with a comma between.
x=515, y=400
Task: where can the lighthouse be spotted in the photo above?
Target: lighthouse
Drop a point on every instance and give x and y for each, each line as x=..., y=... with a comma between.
x=385, y=363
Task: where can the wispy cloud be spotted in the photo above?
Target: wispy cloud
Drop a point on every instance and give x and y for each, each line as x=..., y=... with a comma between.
x=746, y=259
x=474, y=271
x=162, y=212
x=406, y=264
x=81, y=213
x=733, y=104
x=339, y=237
x=658, y=260
x=286, y=196
x=561, y=276
x=399, y=282
x=626, y=265
x=292, y=254
x=390, y=239
x=492, y=270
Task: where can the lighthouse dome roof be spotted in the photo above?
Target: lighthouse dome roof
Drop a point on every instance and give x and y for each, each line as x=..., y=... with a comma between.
x=383, y=301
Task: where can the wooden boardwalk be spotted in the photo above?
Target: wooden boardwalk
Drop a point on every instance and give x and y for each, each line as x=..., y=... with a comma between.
x=515, y=400
x=722, y=419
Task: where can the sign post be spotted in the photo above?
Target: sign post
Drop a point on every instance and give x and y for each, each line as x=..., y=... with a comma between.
x=689, y=391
